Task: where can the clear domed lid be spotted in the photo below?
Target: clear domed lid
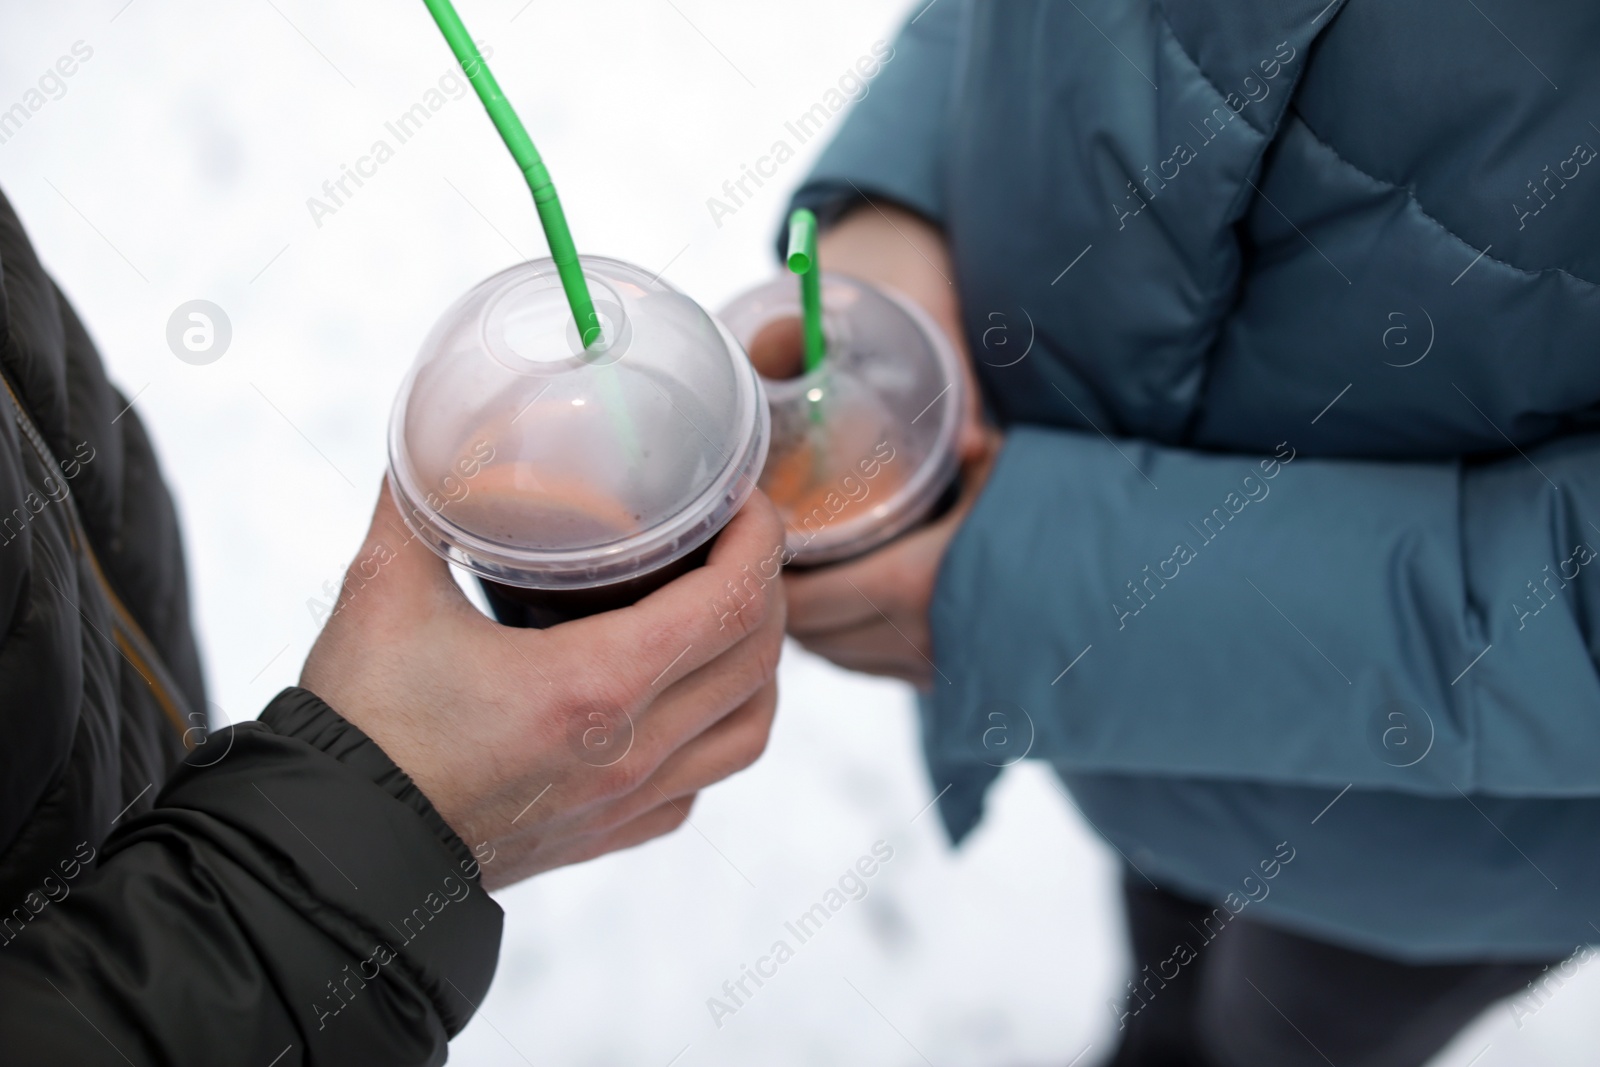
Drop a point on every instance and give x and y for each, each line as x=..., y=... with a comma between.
x=865, y=446
x=531, y=461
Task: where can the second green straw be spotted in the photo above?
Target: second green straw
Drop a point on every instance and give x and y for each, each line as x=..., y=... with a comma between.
x=802, y=260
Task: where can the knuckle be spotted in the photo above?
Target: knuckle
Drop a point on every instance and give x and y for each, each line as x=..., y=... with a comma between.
x=771, y=529
x=766, y=595
x=609, y=690
x=628, y=775
x=756, y=730
x=780, y=604
x=600, y=734
x=753, y=747
x=756, y=585
x=771, y=654
x=756, y=611
x=761, y=667
x=746, y=618
x=754, y=662
x=603, y=705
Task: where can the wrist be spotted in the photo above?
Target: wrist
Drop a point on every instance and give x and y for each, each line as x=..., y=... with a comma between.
x=301, y=714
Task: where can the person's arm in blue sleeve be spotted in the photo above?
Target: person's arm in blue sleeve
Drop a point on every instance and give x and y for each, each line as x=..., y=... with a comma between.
x=1420, y=626
x=1415, y=626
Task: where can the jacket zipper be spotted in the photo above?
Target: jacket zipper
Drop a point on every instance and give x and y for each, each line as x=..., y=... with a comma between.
x=130, y=638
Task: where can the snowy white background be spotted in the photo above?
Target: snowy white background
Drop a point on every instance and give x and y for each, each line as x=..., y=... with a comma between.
x=177, y=165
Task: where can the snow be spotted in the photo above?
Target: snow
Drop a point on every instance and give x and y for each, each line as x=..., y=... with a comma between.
x=176, y=164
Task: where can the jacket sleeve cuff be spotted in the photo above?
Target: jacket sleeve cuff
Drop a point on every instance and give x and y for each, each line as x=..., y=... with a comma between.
x=1255, y=620
x=311, y=807
x=301, y=714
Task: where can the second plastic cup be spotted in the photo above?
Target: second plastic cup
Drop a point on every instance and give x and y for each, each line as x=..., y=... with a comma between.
x=864, y=447
x=573, y=481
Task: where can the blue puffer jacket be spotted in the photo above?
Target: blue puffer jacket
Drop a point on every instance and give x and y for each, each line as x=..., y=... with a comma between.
x=1289, y=311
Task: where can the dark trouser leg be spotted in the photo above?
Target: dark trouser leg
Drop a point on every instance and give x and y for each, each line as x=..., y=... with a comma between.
x=1273, y=999
x=1159, y=1019
x=1252, y=995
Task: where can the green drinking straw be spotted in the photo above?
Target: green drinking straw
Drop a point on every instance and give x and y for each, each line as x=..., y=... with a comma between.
x=554, y=220
x=802, y=260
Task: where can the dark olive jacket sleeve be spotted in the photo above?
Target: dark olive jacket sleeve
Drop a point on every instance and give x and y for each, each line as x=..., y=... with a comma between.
x=291, y=898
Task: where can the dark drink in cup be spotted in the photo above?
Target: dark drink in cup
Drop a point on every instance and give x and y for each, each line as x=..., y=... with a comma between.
x=540, y=608
x=864, y=447
x=575, y=516
x=573, y=481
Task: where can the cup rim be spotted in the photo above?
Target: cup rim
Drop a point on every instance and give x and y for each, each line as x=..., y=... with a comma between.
x=915, y=497
x=594, y=566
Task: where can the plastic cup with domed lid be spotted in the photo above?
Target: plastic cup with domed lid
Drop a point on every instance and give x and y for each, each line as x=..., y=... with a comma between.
x=573, y=480
x=865, y=443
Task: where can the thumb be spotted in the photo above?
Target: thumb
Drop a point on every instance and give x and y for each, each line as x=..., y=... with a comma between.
x=396, y=569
